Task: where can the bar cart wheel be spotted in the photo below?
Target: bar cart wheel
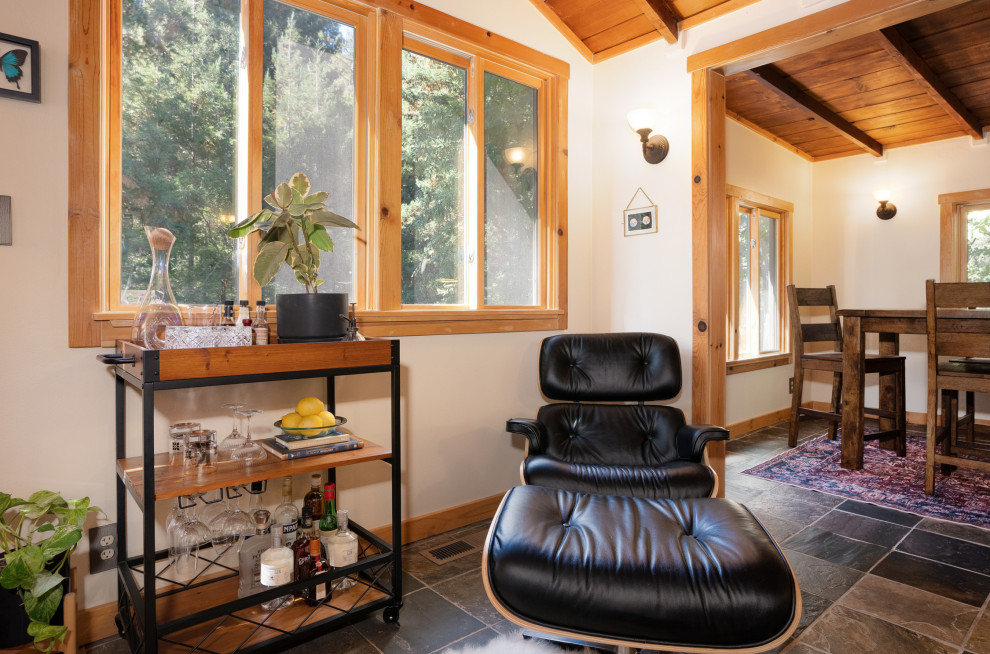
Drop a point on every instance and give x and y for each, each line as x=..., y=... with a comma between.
x=391, y=614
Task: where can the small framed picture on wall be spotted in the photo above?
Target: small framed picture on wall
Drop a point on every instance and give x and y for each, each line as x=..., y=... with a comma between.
x=20, y=68
x=640, y=221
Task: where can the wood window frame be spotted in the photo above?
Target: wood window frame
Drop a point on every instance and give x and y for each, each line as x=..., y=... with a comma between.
x=91, y=107
x=737, y=197
x=952, y=232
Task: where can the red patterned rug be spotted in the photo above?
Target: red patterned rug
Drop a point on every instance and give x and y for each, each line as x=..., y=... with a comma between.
x=885, y=480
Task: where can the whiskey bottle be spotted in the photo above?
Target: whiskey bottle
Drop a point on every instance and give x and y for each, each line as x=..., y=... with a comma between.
x=342, y=548
x=286, y=515
x=300, y=548
x=276, y=570
x=250, y=556
x=316, y=564
x=314, y=499
x=260, y=324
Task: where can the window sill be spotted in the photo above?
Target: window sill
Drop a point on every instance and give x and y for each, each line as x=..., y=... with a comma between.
x=757, y=363
x=384, y=324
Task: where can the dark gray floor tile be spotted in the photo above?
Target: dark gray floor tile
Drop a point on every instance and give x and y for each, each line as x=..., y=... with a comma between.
x=113, y=645
x=838, y=549
x=979, y=640
x=812, y=606
x=934, y=577
x=426, y=623
x=430, y=573
x=842, y=630
x=880, y=513
x=862, y=528
x=956, y=530
x=953, y=551
x=477, y=639
x=741, y=494
x=468, y=592
x=808, y=495
x=912, y=608
x=788, y=508
x=820, y=577
x=342, y=641
x=779, y=528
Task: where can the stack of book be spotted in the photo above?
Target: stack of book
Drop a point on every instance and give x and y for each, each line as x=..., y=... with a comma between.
x=296, y=446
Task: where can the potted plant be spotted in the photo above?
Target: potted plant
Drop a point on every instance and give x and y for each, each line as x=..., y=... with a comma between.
x=38, y=535
x=294, y=231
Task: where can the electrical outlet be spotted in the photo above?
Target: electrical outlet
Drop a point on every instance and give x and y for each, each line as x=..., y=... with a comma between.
x=790, y=385
x=103, y=548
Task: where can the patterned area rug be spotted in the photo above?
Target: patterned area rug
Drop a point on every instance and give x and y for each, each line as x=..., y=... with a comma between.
x=885, y=480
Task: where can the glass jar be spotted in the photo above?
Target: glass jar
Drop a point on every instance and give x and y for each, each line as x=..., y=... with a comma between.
x=200, y=455
x=177, y=440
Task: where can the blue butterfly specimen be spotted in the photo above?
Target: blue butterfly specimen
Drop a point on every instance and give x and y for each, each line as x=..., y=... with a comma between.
x=11, y=64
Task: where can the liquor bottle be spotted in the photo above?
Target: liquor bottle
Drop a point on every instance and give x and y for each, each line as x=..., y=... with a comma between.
x=250, y=556
x=300, y=548
x=316, y=563
x=342, y=548
x=228, y=314
x=243, y=314
x=260, y=324
x=328, y=521
x=314, y=499
x=286, y=515
x=276, y=570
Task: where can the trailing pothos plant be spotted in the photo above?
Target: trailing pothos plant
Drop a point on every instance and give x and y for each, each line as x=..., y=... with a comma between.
x=293, y=231
x=38, y=535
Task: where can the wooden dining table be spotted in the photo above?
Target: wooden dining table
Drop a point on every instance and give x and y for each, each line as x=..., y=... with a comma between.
x=889, y=324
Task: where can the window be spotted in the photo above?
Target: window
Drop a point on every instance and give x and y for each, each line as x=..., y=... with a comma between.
x=210, y=103
x=965, y=236
x=759, y=271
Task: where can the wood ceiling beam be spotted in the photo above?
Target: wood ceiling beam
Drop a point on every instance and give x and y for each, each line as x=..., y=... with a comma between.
x=544, y=8
x=662, y=15
x=905, y=55
x=776, y=81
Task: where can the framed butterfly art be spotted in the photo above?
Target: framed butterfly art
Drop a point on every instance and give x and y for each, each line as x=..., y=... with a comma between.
x=20, y=68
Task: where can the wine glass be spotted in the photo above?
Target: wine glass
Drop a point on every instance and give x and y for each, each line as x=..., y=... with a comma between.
x=234, y=440
x=241, y=523
x=191, y=535
x=175, y=518
x=250, y=451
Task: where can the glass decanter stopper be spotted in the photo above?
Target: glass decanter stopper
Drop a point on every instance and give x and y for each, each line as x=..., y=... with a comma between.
x=158, y=308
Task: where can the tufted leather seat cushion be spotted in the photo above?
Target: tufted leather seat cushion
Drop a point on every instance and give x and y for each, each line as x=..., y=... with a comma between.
x=610, y=367
x=675, y=573
x=675, y=480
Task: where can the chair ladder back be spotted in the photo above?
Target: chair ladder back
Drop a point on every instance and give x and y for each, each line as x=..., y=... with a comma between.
x=947, y=336
x=815, y=332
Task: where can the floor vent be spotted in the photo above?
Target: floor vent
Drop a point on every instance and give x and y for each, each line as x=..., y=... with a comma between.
x=450, y=551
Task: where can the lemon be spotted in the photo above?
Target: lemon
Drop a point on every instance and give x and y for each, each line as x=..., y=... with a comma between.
x=309, y=406
x=310, y=421
x=291, y=420
x=328, y=419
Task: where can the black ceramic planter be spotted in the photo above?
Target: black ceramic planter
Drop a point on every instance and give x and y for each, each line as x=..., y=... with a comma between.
x=311, y=316
x=14, y=621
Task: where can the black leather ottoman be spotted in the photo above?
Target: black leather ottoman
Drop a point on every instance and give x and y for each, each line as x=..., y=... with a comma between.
x=687, y=575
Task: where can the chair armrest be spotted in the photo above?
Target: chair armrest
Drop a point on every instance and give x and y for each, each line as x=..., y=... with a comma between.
x=691, y=440
x=532, y=430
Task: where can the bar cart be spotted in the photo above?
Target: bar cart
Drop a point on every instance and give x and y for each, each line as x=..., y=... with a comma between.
x=204, y=614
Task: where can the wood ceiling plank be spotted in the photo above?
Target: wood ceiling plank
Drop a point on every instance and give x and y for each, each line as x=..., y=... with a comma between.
x=899, y=118
x=960, y=76
x=948, y=19
x=826, y=27
x=867, y=85
x=662, y=16
x=885, y=108
x=898, y=48
x=775, y=80
x=874, y=62
x=792, y=120
x=589, y=17
x=544, y=8
x=619, y=34
x=933, y=44
x=694, y=17
x=973, y=55
x=768, y=135
x=892, y=93
x=921, y=128
x=851, y=49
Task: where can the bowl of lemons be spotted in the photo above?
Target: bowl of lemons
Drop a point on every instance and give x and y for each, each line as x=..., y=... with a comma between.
x=310, y=419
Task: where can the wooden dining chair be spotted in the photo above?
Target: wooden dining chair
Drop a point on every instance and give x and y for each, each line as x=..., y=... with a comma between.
x=830, y=331
x=948, y=337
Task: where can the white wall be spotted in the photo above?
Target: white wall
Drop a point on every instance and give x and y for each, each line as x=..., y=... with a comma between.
x=57, y=403
x=757, y=164
x=884, y=264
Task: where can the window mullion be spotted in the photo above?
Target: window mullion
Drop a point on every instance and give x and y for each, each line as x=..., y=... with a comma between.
x=477, y=201
x=385, y=228
x=249, y=140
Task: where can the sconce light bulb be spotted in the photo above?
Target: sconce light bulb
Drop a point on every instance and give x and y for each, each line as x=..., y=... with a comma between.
x=642, y=118
x=882, y=195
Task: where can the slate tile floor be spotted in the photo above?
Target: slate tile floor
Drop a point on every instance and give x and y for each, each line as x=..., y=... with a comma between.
x=872, y=579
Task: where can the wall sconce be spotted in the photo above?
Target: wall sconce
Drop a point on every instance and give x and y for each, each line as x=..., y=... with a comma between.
x=655, y=147
x=886, y=210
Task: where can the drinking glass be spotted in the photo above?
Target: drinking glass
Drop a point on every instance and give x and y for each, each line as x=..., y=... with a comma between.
x=191, y=535
x=241, y=523
x=250, y=451
x=176, y=516
x=234, y=440
x=200, y=452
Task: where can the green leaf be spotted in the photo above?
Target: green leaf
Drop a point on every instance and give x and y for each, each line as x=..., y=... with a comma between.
x=41, y=503
x=45, y=527
x=8, y=502
x=316, y=198
x=300, y=183
x=271, y=202
x=283, y=195
x=41, y=608
x=298, y=209
x=247, y=226
x=44, y=582
x=268, y=262
x=64, y=538
x=42, y=632
x=321, y=239
x=27, y=560
x=325, y=217
x=15, y=574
